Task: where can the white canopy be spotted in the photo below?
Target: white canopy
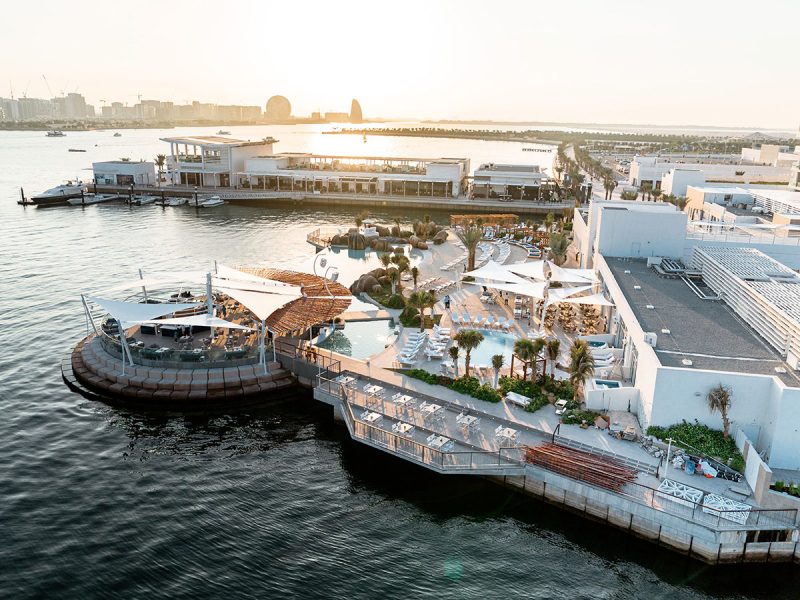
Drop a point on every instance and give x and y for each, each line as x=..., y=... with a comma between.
x=136, y=312
x=560, y=294
x=158, y=280
x=495, y=271
x=534, y=289
x=261, y=303
x=203, y=320
x=230, y=274
x=533, y=269
x=596, y=299
x=571, y=275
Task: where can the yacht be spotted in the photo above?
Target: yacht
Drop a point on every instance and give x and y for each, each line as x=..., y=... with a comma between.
x=211, y=202
x=141, y=200
x=56, y=133
x=176, y=201
x=93, y=199
x=223, y=132
x=59, y=194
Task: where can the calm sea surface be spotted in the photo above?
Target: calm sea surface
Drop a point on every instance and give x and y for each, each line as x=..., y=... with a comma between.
x=98, y=502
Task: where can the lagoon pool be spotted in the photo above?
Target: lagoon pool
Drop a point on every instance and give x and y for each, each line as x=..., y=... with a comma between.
x=361, y=339
x=494, y=342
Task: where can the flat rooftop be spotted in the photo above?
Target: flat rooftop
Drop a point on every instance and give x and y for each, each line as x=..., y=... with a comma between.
x=216, y=140
x=706, y=332
x=509, y=168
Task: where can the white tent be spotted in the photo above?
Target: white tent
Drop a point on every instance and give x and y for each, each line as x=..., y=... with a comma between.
x=235, y=275
x=561, y=294
x=533, y=269
x=596, y=299
x=495, y=271
x=136, y=312
x=203, y=320
x=571, y=275
x=534, y=289
x=157, y=280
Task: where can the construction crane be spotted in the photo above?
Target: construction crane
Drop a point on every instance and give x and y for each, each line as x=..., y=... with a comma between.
x=48, y=86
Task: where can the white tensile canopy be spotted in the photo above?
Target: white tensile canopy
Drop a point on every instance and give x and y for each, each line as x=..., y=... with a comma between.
x=230, y=274
x=561, y=294
x=495, y=271
x=533, y=269
x=203, y=320
x=129, y=313
x=571, y=275
x=534, y=289
x=160, y=280
x=596, y=299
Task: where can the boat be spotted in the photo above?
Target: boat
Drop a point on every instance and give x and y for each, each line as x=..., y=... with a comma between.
x=59, y=194
x=56, y=133
x=76, y=150
x=92, y=199
x=211, y=202
x=176, y=201
x=117, y=134
x=223, y=132
x=141, y=200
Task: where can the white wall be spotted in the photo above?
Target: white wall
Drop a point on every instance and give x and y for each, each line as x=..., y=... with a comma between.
x=648, y=168
x=634, y=233
x=677, y=180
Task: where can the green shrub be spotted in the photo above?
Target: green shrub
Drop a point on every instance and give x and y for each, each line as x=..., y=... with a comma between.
x=395, y=301
x=422, y=375
x=525, y=388
x=468, y=278
x=409, y=317
x=703, y=439
x=576, y=417
x=466, y=385
x=487, y=393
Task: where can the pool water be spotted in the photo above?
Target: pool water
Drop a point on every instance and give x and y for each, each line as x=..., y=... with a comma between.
x=361, y=339
x=494, y=342
x=596, y=344
x=605, y=383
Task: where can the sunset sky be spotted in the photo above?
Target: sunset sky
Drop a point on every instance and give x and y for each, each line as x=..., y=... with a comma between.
x=621, y=61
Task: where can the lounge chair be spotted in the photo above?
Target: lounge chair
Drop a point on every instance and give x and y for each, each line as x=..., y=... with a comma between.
x=490, y=322
x=478, y=320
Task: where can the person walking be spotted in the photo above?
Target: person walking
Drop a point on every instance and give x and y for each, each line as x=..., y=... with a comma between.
x=447, y=302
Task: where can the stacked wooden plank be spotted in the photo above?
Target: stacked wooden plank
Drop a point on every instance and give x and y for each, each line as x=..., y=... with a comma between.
x=593, y=469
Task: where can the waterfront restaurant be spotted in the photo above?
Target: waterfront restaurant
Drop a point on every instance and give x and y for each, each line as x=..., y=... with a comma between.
x=372, y=175
x=211, y=161
x=508, y=182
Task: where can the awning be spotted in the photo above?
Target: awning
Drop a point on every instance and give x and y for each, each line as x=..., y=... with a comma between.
x=260, y=303
x=595, y=299
x=161, y=280
x=136, y=312
x=571, y=275
x=227, y=276
x=561, y=294
x=533, y=269
x=203, y=320
x=495, y=271
x=534, y=289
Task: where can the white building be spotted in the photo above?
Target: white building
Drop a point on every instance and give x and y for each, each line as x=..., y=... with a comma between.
x=675, y=181
x=717, y=203
x=777, y=201
x=124, y=172
x=794, y=178
x=316, y=173
x=520, y=182
x=211, y=161
x=651, y=169
x=771, y=154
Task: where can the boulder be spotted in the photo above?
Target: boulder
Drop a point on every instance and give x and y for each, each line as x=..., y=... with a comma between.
x=422, y=245
x=385, y=280
x=376, y=289
x=377, y=273
x=338, y=240
x=382, y=231
x=414, y=240
x=356, y=241
x=440, y=237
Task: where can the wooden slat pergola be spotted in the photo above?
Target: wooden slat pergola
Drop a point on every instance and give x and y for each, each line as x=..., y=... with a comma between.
x=319, y=304
x=489, y=220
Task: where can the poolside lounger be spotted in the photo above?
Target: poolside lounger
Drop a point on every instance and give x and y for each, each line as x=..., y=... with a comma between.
x=518, y=399
x=490, y=322
x=478, y=320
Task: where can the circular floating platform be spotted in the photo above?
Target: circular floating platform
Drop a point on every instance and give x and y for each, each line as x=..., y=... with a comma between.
x=92, y=369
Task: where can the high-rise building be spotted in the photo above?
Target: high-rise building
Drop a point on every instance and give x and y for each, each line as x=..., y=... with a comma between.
x=355, y=112
x=278, y=109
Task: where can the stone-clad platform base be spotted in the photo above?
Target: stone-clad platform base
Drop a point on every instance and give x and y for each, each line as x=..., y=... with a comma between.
x=188, y=387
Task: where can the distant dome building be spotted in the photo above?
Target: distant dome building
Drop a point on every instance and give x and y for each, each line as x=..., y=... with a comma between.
x=355, y=112
x=279, y=108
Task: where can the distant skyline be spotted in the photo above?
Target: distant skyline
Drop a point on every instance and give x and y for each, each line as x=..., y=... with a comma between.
x=713, y=63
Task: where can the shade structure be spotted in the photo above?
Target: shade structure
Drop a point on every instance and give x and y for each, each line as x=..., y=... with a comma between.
x=561, y=294
x=203, y=320
x=261, y=304
x=534, y=289
x=236, y=275
x=160, y=280
x=571, y=275
x=533, y=269
x=496, y=272
x=136, y=312
x=595, y=299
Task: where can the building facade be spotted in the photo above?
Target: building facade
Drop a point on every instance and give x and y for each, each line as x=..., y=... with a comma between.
x=123, y=172
x=507, y=182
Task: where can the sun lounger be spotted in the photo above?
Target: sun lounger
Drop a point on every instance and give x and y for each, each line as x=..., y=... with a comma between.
x=478, y=320
x=490, y=322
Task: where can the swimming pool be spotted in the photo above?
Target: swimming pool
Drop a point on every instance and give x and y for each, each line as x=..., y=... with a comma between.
x=361, y=339
x=494, y=342
x=605, y=383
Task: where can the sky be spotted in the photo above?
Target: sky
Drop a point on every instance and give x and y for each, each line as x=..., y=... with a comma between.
x=677, y=62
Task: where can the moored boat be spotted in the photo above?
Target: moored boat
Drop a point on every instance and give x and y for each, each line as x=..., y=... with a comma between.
x=211, y=202
x=141, y=199
x=92, y=199
x=176, y=201
x=59, y=194
x=56, y=133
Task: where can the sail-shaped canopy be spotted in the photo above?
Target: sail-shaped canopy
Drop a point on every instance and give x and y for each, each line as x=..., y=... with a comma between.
x=595, y=299
x=495, y=271
x=202, y=320
x=135, y=312
x=534, y=289
x=533, y=269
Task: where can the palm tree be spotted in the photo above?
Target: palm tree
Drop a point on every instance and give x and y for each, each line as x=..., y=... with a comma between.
x=559, y=243
x=453, y=352
x=548, y=221
x=385, y=260
x=719, y=400
x=417, y=300
x=467, y=340
x=656, y=193
x=646, y=188
x=609, y=183
x=552, y=348
x=497, y=363
x=538, y=346
x=581, y=366
x=470, y=237
x=160, y=161
x=394, y=276
x=523, y=349
x=415, y=276
x=430, y=300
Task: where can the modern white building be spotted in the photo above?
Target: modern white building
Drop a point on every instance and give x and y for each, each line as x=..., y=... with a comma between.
x=777, y=201
x=652, y=169
x=717, y=203
x=504, y=181
x=211, y=161
x=316, y=173
x=675, y=181
x=794, y=178
x=771, y=154
x=124, y=172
